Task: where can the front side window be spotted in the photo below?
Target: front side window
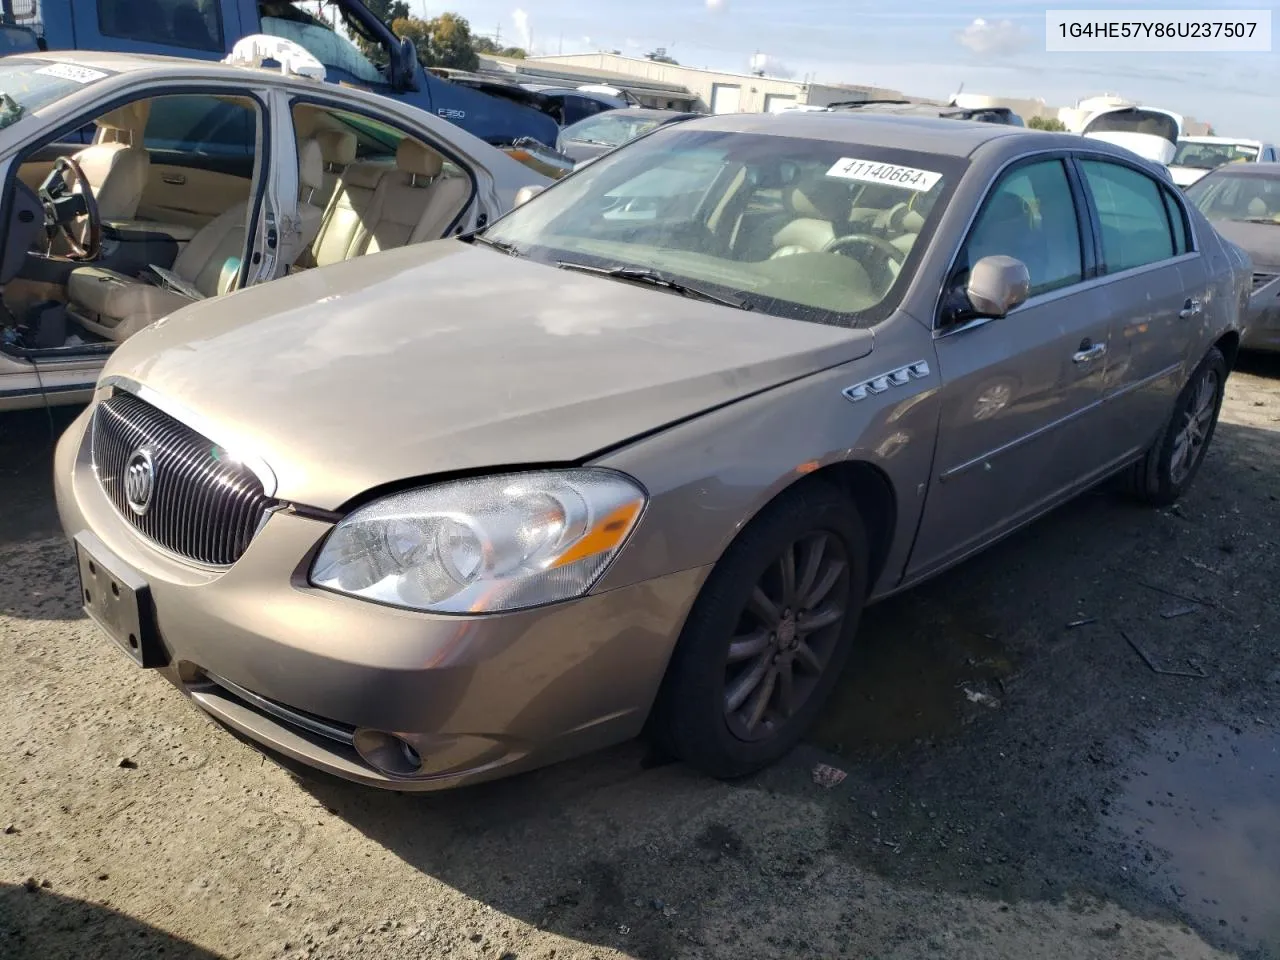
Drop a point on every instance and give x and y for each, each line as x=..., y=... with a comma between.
x=201, y=125
x=1030, y=215
x=1132, y=213
x=195, y=24
x=815, y=230
x=1237, y=196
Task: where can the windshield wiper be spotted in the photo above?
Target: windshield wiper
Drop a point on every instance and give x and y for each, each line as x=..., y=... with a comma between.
x=502, y=246
x=1271, y=220
x=655, y=279
x=594, y=143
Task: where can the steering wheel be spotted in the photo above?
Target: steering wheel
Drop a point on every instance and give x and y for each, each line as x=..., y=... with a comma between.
x=839, y=244
x=55, y=186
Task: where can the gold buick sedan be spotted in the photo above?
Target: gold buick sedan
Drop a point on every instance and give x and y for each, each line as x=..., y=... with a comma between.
x=636, y=455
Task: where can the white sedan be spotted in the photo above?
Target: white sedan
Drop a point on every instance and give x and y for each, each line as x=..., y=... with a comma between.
x=136, y=185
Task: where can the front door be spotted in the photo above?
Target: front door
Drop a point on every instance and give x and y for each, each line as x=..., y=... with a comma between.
x=1017, y=390
x=1154, y=286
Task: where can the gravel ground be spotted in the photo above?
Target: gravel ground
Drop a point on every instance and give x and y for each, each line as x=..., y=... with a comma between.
x=1019, y=784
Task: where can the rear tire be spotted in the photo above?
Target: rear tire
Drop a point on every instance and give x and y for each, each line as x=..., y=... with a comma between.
x=1167, y=470
x=762, y=646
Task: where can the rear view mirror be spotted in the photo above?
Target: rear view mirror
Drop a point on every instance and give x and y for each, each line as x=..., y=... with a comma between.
x=997, y=285
x=525, y=194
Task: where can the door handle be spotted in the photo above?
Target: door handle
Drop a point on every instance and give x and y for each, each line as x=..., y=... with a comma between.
x=1190, y=308
x=1088, y=351
x=176, y=179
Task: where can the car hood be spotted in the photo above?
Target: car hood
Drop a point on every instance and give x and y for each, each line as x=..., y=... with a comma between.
x=1186, y=176
x=1146, y=145
x=1261, y=241
x=446, y=357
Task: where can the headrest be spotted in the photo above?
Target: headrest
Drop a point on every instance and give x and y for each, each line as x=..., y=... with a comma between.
x=311, y=165
x=822, y=199
x=413, y=157
x=1258, y=207
x=336, y=146
x=131, y=118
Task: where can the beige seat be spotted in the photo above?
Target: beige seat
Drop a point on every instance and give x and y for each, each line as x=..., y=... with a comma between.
x=310, y=185
x=118, y=167
x=337, y=149
x=115, y=306
x=816, y=207
x=414, y=203
x=377, y=207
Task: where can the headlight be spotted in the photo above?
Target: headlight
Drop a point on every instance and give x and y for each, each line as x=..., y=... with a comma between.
x=484, y=545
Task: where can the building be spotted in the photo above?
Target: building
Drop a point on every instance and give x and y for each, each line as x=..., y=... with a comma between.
x=676, y=86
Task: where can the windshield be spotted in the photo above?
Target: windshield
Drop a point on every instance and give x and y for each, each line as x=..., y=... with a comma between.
x=816, y=230
x=1229, y=196
x=613, y=127
x=1136, y=120
x=326, y=46
x=1207, y=156
x=29, y=85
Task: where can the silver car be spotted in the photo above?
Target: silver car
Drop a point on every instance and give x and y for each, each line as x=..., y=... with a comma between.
x=136, y=185
x=639, y=454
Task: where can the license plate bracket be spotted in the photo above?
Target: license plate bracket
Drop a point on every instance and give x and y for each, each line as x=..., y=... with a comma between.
x=118, y=600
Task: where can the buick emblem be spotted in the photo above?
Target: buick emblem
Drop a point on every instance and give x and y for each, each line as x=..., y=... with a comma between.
x=139, y=481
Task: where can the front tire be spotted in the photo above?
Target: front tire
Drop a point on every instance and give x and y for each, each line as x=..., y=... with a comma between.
x=768, y=636
x=1167, y=470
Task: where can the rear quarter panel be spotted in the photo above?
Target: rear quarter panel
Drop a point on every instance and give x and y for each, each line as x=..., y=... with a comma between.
x=1230, y=278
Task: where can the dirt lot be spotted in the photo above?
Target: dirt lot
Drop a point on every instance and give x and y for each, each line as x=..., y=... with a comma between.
x=1017, y=786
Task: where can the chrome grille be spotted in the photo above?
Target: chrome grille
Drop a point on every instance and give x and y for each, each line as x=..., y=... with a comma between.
x=200, y=507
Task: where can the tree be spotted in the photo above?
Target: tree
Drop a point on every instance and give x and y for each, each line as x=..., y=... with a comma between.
x=388, y=11
x=1047, y=123
x=486, y=45
x=660, y=56
x=443, y=41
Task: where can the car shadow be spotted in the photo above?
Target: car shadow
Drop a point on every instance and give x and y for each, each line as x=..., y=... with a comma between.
x=38, y=581
x=984, y=726
x=36, y=922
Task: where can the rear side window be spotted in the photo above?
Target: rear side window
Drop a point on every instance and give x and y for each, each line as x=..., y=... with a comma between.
x=201, y=125
x=1031, y=215
x=195, y=24
x=1132, y=212
x=1178, y=221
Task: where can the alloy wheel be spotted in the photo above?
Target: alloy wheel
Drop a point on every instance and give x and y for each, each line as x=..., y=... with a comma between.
x=785, y=636
x=1197, y=419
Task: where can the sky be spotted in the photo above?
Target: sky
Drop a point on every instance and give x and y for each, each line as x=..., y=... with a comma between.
x=924, y=48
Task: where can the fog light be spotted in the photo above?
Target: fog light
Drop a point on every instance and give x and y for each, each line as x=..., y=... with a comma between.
x=387, y=753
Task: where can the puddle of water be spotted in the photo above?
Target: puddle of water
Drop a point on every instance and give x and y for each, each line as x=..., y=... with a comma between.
x=1206, y=810
x=914, y=675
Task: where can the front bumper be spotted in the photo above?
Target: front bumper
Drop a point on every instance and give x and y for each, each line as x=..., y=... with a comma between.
x=306, y=672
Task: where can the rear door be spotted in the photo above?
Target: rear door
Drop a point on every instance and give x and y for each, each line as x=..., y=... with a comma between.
x=1154, y=285
x=202, y=155
x=1019, y=392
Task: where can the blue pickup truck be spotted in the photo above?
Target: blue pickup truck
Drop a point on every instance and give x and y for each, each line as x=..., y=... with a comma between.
x=208, y=29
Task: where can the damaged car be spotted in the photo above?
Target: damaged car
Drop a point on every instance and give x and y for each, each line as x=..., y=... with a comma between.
x=136, y=185
x=1242, y=201
x=636, y=457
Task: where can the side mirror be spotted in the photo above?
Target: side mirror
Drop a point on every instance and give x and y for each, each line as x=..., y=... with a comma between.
x=997, y=285
x=527, y=193
x=404, y=68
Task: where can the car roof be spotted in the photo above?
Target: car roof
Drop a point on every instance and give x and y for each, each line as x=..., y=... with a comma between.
x=929, y=134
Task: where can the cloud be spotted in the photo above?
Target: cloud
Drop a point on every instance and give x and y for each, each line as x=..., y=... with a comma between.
x=771, y=66
x=989, y=39
x=523, y=33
